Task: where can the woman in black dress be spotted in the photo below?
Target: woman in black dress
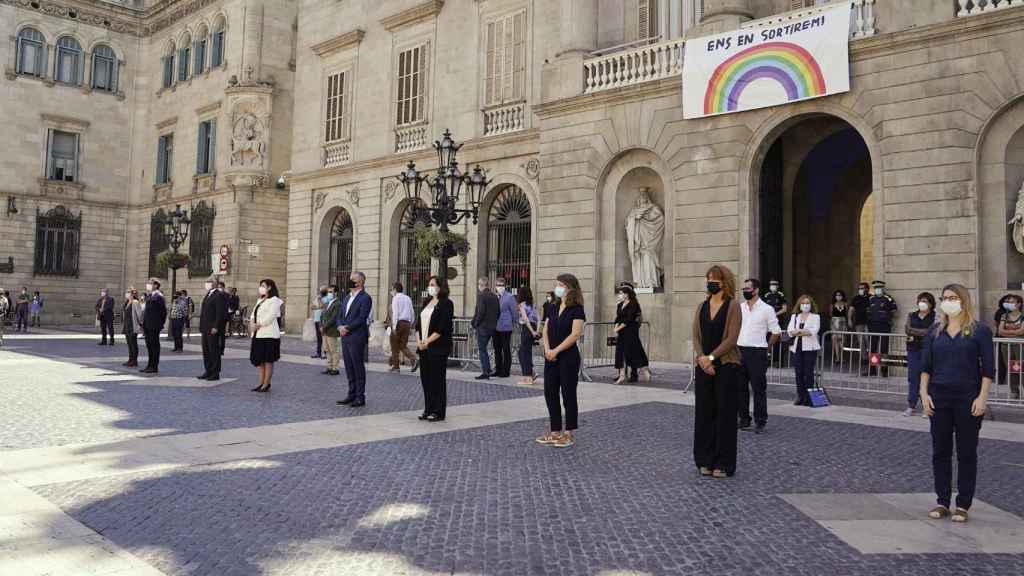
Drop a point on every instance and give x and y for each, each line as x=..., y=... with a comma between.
x=434, y=344
x=716, y=328
x=630, y=356
x=839, y=321
x=266, y=333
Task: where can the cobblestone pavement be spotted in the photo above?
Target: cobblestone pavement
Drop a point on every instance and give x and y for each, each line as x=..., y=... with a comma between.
x=490, y=501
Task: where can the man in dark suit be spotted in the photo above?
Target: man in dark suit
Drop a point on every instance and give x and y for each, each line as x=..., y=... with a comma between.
x=105, y=316
x=485, y=323
x=353, y=324
x=222, y=291
x=154, y=316
x=212, y=317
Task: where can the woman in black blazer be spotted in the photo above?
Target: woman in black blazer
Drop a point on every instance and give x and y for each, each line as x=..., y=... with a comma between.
x=434, y=343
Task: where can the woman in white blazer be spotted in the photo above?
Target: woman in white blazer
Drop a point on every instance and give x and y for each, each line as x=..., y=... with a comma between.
x=266, y=333
x=804, y=326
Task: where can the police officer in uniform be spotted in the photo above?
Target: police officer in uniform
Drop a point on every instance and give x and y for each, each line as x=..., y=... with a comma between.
x=777, y=300
x=881, y=309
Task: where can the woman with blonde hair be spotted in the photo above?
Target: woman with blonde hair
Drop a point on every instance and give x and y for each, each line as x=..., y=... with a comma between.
x=563, y=326
x=716, y=329
x=957, y=366
x=803, y=330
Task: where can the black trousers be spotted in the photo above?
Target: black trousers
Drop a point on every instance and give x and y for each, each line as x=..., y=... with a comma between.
x=434, y=378
x=319, y=339
x=526, y=345
x=152, y=348
x=133, y=348
x=502, y=354
x=753, y=376
x=353, y=351
x=953, y=422
x=212, y=353
x=803, y=366
x=714, y=428
x=107, y=327
x=561, y=377
x=178, y=333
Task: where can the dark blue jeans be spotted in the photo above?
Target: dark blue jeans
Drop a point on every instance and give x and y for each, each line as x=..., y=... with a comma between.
x=482, y=340
x=951, y=422
x=353, y=350
x=803, y=365
x=526, y=351
x=913, y=377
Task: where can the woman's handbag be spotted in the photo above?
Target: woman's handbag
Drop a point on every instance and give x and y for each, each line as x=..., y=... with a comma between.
x=613, y=341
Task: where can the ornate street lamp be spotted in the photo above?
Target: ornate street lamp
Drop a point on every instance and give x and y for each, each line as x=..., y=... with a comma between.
x=445, y=190
x=176, y=230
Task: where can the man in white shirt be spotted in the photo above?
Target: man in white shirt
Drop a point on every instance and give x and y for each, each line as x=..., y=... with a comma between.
x=759, y=319
x=400, y=320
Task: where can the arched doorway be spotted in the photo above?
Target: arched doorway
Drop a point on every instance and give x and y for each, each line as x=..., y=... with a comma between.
x=508, y=238
x=340, y=249
x=412, y=271
x=815, y=226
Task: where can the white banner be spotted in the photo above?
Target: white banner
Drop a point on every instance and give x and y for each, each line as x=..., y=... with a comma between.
x=751, y=68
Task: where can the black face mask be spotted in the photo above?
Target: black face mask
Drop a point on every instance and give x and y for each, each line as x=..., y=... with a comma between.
x=748, y=294
x=351, y=284
x=714, y=288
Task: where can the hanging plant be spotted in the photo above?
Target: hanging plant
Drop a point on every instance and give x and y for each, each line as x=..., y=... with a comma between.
x=432, y=243
x=174, y=261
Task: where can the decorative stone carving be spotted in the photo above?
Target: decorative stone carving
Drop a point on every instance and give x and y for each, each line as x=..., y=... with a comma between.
x=247, y=145
x=76, y=14
x=60, y=189
x=645, y=231
x=532, y=168
x=318, y=200
x=353, y=196
x=390, y=189
x=1018, y=221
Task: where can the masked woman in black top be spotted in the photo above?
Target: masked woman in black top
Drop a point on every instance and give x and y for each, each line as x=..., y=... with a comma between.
x=839, y=321
x=629, y=350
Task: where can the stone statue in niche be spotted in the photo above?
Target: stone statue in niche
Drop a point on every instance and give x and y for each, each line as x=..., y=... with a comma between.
x=247, y=147
x=645, y=231
x=1018, y=221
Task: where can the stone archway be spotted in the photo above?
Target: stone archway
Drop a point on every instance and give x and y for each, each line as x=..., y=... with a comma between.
x=336, y=236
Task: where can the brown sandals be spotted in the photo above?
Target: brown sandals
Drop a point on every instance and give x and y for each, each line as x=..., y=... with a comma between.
x=938, y=513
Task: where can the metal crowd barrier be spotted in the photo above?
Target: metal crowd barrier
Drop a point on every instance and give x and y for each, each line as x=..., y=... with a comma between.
x=1007, y=385
x=594, y=346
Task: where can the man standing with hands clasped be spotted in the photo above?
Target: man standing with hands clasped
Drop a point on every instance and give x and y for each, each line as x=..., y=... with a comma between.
x=154, y=316
x=213, y=314
x=353, y=324
x=508, y=313
x=759, y=319
x=105, y=316
x=485, y=323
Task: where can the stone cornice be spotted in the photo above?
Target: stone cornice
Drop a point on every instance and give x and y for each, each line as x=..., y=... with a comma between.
x=413, y=15
x=64, y=121
x=167, y=123
x=213, y=107
x=645, y=91
x=341, y=42
x=111, y=17
x=165, y=14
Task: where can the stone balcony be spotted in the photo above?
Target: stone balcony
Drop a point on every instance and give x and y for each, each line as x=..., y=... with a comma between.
x=337, y=154
x=973, y=7
x=504, y=118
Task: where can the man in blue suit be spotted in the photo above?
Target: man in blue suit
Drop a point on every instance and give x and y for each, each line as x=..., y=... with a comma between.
x=354, y=326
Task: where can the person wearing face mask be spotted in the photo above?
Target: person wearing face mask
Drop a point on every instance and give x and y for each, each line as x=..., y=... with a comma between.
x=918, y=324
x=5, y=307
x=716, y=330
x=189, y=313
x=266, y=333
x=331, y=334
x=1011, y=325
x=318, y=307
x=758, y=321
x=629, y=350
x=21, y=307
x=485, y=324
x=777, y=300
x=400, y=320
x=859, y=319
x=434, y=328
x=179, y=311
x=105, y=316
x=957, y=367
x=36, y=309
x=562, y=331
x=353, y=324
x=528, y=334
x=803, y=330
x=881, y=309
x=839, y=321
x=507, y=314
x=131, y=325
x=154, y=316
x=213, y=314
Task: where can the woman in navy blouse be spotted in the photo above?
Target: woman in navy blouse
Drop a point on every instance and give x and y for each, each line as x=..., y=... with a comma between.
x=563, y=326
x=957, y=366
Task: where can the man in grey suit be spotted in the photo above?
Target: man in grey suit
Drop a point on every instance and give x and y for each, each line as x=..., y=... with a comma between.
x=485, y=322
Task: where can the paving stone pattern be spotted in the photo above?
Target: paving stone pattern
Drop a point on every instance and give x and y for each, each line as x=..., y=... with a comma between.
x=491, y=501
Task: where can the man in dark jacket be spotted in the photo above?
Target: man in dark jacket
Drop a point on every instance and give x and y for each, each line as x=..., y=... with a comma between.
x=212, y=317
x=154, y=316
x=105, y=316
x=485, y=323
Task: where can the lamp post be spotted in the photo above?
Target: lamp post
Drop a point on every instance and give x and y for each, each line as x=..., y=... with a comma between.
x=177, y=232
x=445, y=188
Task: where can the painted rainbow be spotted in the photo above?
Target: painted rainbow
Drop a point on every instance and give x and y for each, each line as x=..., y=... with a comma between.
x=788, y=64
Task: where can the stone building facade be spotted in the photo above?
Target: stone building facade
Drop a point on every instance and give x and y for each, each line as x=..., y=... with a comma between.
x=572, y=106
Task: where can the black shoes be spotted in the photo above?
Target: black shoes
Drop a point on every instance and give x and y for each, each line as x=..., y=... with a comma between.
x=358, y=404
x=330, y=372
x=743, y=425
x=104, y=343
x=415, y=366
x=435, y=418
x=483, y=377
x=202, y=376
x=213, y=377
x=759, y=429
x=344, y=402
x=423, y=416
x=148, y=370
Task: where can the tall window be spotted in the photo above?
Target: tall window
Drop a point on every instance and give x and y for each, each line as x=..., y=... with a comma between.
x=647, y=19
x=200, y=244
x=508, y=238
x=31, y=57
x=199, y=52
x=168, y=65
x=57, y=241
x=164, y=159
x=217, y=50
x=412, y=80
x=104, y=69
x=158, y=242
x=206, y=152
x=62, y=156
x=184, y=57
x=341, y=249
x=69, y=61
x=506, y=60
x=336, y=127
x=413, y=272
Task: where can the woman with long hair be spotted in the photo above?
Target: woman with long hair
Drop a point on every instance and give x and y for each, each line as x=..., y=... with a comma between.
x=562, y=328
x=132, y=325
x=838, y=322
x=434, y=343
x=804, y=326
x=528, y=333
x=957, y=366
x=630, y=357
x=266, y=333
x=716, y=329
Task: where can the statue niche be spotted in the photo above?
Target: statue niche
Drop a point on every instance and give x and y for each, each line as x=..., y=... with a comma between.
x=645, y=232
x=247, y=142
x=1017, y=233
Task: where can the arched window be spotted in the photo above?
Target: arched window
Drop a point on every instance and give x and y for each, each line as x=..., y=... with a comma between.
x=158, y=242
x=340, y=249
x=199, y=51
x=168, y=65
x=69, y=61
x=104, y=69
x=413, y=272
x=57, y=241
x=31, y=49
x=217, y=48
x=508, y=238
x=184, y=57
x=200, y=244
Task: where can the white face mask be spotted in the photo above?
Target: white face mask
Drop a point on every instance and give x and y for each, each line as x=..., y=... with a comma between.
x=560, y=291
x=951, y=308
x=862, y=291
x=149, y=287
x=805, y=307
x=923, y=306
x=501, y=289
x=263, y=290
x=127, y=295
x=773, y=288
x=1010, y=306
x=620, y=297
x=432, y=290
x=209, y=286
x=878, y=291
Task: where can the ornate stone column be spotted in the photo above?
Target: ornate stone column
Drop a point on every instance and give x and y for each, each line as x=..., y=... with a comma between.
x=722, y=16
x=563, y=77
